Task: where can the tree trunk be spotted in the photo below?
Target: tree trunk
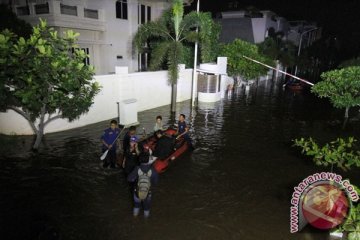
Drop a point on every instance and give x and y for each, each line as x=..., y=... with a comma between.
x=347, y=112
x=173, y=97
x=40, y=131
x=39, y=136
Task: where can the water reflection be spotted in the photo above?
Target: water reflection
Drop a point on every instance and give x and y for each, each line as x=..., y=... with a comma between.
x=237, y=184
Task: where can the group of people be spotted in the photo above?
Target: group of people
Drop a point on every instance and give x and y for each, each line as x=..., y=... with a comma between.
x=138, y=159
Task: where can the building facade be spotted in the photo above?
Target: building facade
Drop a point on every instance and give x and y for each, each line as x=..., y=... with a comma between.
x=251, y=27
x=254, y=27
x=106, y=27
x=304, y=33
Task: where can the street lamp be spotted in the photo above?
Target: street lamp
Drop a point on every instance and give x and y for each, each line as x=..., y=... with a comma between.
x=194, y=79
x=299, y=49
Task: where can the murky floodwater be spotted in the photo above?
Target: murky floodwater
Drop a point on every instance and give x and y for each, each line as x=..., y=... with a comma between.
x=237, y=184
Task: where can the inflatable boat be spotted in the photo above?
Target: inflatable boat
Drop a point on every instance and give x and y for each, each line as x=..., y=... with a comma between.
x=181, y=146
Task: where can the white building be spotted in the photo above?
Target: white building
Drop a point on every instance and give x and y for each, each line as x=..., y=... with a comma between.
x=253, y=28
x=106, y=27
x=304, y=32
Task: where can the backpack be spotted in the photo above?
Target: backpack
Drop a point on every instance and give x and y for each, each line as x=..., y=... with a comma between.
x=143, y=184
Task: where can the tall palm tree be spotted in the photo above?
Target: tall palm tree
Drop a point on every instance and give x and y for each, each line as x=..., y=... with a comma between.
x=171, y=31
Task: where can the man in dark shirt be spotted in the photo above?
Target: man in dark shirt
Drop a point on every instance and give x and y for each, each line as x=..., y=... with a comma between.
x=144, y=168
x=164, y=145
x=183, y=131
x=108, y=140
x=126, y=140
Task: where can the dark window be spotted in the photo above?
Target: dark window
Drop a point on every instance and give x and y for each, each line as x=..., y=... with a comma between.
x=90, y=13
x=142, y=21
x=148, y=14
x=121, y=9
x=42, y=8
x=68, y=10
x=24, y=10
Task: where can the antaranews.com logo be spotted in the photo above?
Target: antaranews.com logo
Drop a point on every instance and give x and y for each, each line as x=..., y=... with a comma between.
x=322, y=200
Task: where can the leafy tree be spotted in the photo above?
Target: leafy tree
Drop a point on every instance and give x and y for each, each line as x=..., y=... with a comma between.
x=238, y=65
x=339, y=152
x=277, y=49
x=341, y=86
x=44, y=78
x=172, y=32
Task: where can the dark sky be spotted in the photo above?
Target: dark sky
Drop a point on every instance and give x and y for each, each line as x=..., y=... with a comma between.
x=338, y=18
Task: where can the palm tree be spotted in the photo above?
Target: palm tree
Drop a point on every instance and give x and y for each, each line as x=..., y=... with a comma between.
x=171, y=32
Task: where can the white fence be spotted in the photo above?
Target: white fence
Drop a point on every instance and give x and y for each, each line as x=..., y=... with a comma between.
x=151, y=89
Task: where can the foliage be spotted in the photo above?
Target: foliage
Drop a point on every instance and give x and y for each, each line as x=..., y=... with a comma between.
x=171, y=34
x=352, y=223
x=275, y=48
x=9, y=20
x=44, y=75
x=338, y=152
x=341, y=86
x=238, y=65
x=209, y=36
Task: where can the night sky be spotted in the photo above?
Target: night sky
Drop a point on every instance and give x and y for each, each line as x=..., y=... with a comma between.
x=338, y=18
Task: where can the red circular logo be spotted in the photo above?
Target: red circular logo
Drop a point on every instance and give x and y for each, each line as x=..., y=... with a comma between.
x=325, y=206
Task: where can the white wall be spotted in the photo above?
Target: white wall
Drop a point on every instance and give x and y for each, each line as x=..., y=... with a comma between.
x=151, y=89
x=106, y=37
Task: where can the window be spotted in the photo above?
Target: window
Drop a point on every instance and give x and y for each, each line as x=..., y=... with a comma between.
x=86, y=50
x=148, y=14
x=90, y=13
x=23, y=10
x=142, y=14
x=42, y=8
x=121, y=9
x=68, y=10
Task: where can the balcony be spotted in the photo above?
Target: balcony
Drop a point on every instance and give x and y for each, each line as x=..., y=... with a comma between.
x=58, y=14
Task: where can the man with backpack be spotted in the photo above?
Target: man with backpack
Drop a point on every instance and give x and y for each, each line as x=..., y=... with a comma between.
x=145, y=176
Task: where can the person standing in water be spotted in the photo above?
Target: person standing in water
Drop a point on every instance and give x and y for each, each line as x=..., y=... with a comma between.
x=144, y=177
x=109, y=143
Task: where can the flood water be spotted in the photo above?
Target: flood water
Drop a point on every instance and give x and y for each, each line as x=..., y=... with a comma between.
x=237, y=184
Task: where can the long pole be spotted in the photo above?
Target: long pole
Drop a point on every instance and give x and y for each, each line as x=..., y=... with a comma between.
x=194, y=79
x=299, y=49
x=300, y=79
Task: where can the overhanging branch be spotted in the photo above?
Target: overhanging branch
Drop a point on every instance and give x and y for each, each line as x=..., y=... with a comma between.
x=52, y=119
x=26, y=116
